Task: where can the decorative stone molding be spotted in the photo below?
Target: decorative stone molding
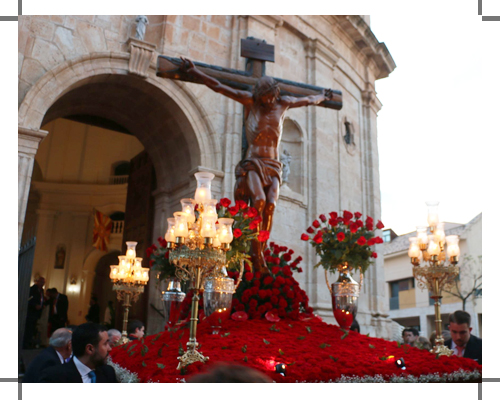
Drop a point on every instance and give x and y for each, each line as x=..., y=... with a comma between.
x=322, y=52
x=141, y=55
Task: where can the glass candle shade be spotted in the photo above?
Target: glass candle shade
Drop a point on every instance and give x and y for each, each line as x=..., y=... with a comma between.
x=170, y=235
x=433, y=247
x=209, y=208
x=439, y=235
x=226, y=230
x=216, y=241
x=113, y=273
x=188, y=208
x=130, y=254
x=124, y=263
x=414, y=251
x=145, y=275
x=208, y=227
x=180, y=228
x=432, y=213
x=452, y=248
x=422, y=235
x=203, y=186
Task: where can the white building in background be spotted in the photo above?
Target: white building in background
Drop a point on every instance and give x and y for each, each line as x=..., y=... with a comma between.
x=411, y=306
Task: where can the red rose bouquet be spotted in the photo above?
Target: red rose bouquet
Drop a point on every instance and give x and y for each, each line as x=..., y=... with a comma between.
x=344, y=239
x=274, y=295
x=158, y=259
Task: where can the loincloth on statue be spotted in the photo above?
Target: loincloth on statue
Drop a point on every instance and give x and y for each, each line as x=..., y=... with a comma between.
x=266, y=168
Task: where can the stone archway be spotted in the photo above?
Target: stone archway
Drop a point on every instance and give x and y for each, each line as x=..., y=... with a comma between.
x=165, y=117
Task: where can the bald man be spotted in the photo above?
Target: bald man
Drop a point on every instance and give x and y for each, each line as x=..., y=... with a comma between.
x=58, y=351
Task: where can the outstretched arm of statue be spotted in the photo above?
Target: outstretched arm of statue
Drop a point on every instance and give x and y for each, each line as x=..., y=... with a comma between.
x=241, y=96
x=294, y=102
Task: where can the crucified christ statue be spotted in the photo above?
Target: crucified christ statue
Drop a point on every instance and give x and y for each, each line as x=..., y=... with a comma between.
x=258, y=175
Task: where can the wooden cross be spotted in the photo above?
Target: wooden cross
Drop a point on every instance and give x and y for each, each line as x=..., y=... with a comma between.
x=257, y=53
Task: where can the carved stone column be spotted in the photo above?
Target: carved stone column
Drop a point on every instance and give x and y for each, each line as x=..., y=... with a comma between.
x=28, y=141
x=141, y=55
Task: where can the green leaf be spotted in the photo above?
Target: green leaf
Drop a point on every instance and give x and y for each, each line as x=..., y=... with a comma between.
x=323, y=345
x=144, y=350
x=143, y=364
x=181, y=350
x=308, y=329
x=155, y=338
x=226, y=334
x=281, y=352
x=265, y=341
x=245, y=359
x=244, y=349
x=161, y=366
x=292, y=363
x=290, y=325
x=301, y=337
x=344, y=336
x=371, y=346
x=131, y=353
x=334, y=358
x=224, y=347
x=383, y=358
x=131, y=347
x=367, y=335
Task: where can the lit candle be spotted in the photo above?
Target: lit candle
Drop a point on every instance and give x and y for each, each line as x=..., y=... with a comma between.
x=414, y=251
x=452, y=247
x=216, y=241
x=208, y=227
x=226, y=230
x=113, y=273
x=180, y=229
x=210, y=208
x=170, y=235
x=432, y=213
x=188, y=208
x=203, y=189
x=130, y=254
x=422, y=235
x=433, y=247
x=439, y=233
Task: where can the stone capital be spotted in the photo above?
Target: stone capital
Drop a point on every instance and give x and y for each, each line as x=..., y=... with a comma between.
x=29, y=140
x=141, y=55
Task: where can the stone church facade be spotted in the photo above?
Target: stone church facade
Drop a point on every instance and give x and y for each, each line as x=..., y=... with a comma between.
x=90, y=102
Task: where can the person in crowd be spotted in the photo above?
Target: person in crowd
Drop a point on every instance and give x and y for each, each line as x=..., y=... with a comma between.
x=355, y=326
x=58, y=352
x=230, y=373
x=93, y=315
x=36, y=302
x=71, y=327
x=109, y=315
x=462, y=342
x=423, y=343
x=135, y=330
x=58, y=309
x=445, y=333
x=88, y=365
x=410, y=336
x=114, y=337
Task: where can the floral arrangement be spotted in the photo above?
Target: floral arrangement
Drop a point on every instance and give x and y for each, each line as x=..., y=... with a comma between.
x=158, y=259
x=344, y=239
x=312, y=350
x=246, y=222
x=275, y=295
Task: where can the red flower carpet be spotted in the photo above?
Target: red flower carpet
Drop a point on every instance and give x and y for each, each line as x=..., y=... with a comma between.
x=312, y=350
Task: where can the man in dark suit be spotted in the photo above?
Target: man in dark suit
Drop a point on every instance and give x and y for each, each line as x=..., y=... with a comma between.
x=35, y=305
x=57, y=353
x=462, y=342
x=58, y=309
x=90, y=350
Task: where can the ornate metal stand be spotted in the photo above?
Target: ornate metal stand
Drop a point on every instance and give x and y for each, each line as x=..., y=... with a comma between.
x=126, y=294
x=436, y=277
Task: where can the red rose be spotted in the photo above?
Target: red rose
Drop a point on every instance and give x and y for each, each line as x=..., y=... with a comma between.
x=241, y=204
x=315, y=223
x=263, y=236
x=299, y=270
x=333, y=215
x=310, y=230
x=378, y=239
x=274, y=299
x=252, y=212
x=371, y=242
x=269, y=279
x=253, y=225
x=322, y=217
x=287, y=257
x=282, y=303
x=369, y=220
x=361, y=241
x=359, y=223
x=272, y=316
x=237, y=233
x=299, y=259
x=369, y=226
x=379, y=225
x=332, y=221
x=304, y=237
x=354, y=228
x=233, y=210
x=347, y=215
x=318, y=239
x=248, y=276
x=374, y=255
x=277, y=260
x=239, y=316
x=357, y=215
x=291, y=251
x=340, y=236
x=262, y=294
x=225, y=202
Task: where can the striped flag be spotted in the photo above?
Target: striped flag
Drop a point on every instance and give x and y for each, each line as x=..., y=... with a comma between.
x=102, y=231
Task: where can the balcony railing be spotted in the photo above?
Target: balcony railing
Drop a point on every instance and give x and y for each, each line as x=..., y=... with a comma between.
x=117, y=227
x=118, y=179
